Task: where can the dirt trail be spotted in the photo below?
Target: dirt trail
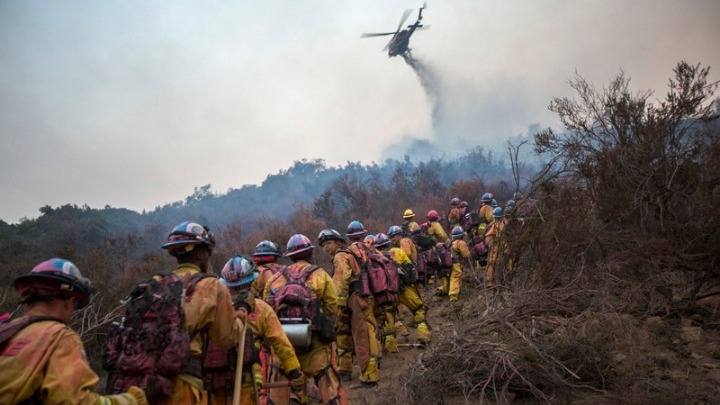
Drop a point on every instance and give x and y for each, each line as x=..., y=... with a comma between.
x=441, y=316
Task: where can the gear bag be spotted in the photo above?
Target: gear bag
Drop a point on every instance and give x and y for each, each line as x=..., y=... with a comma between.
x=220, y=364
x=382, y=275
x=408, y=273
x=421, y=268
x=11, y=327
x=422, y=241
x=295, y=303
x=477, y=248
x=440, y=260
x=150, y=346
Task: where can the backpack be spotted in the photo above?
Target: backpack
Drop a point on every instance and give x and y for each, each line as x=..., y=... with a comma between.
x=219, y=364
x=421, y=268
x=382, y=274
x=150, y=346
x=424, y=242
x=408, y=273
x=478, y=248
x=11, y=327
x=295, y=303
x=440, y=259
x=471, y=219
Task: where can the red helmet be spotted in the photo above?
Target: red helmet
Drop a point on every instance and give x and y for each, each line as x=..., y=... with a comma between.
x=297, y=244
x=54, y=278
x=432, y=215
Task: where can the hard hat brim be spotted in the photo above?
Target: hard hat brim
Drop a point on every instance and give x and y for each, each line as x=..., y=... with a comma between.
x=245, y=280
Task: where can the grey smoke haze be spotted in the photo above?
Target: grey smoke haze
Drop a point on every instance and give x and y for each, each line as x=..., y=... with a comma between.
x=133, y=103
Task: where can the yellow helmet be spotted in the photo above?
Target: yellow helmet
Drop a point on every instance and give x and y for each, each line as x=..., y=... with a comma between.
x=408, y=214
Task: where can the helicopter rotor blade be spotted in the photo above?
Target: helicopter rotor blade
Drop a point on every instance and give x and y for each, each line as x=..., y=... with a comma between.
x=405, y=16
x=375, y=34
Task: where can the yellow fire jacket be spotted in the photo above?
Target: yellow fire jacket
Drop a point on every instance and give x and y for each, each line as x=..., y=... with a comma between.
x=266, y=327
x=347, y=271
x=46, y=362
x=408, y=246
x=210, y=310
x=437, y=232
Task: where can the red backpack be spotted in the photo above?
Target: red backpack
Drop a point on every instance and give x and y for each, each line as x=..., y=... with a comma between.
x=150, y=346
x=440, y=260
x=296, y=303
x=382, y=274
x=219, y=364
x=478, y=248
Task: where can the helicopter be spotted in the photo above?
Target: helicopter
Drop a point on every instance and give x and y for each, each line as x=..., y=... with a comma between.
x=400, y=41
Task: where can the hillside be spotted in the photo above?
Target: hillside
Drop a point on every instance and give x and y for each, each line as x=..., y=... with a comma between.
x=607, y=290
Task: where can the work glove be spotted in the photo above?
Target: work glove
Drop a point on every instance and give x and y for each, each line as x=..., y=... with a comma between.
x=139, y=395
x=297, y=380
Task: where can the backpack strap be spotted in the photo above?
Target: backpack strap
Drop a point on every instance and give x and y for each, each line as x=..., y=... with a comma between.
x=194, y=280
x=8, y=328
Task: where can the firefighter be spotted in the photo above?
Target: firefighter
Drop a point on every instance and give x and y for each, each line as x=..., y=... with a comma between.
x=355, y=233
x=461, y=256
x=356, y=320
x=493, y=240
x=409, y=225
x=44, y=360
x=409, y=294
x=318, y=361
x=265, y=258
x=238, y=276
x=399, y=240
x=436, y=230
x=453, y=216
x=208, y=313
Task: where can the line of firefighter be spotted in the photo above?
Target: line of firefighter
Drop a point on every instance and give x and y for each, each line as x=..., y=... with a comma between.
x=315, y=370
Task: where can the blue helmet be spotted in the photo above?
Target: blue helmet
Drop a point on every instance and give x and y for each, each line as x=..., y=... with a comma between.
x=329, y=234
x=187, y=234
x=509, y=207
x=355, y=228
x=494, y=203
x=497, y=213
x=487, y=198
x=237, y=271
x=394, y=230
x=457, y=232
x=266, y=248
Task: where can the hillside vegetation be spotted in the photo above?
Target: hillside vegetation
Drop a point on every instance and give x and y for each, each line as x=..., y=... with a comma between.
x=605, y=295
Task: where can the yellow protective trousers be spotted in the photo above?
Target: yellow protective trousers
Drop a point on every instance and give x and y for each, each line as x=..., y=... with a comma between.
x=320, y=365
x=452, y=282
x=356, y=333
x=386, y=315
x=410, y=297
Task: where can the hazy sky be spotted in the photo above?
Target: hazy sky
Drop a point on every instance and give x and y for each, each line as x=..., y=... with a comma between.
x=134, y=103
